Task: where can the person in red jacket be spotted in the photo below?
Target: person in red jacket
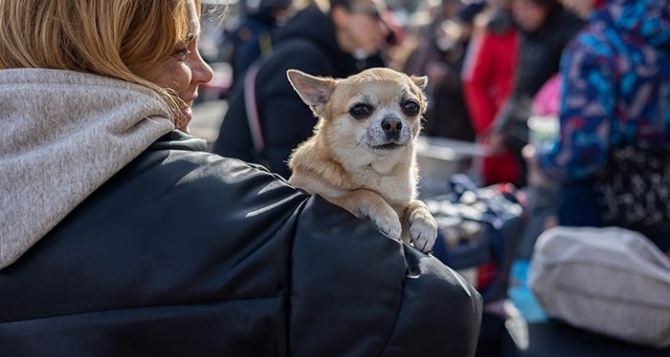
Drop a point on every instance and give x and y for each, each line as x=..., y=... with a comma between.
x=488, y=77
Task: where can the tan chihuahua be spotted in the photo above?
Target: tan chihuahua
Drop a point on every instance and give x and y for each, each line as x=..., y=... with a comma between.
x=361, y=156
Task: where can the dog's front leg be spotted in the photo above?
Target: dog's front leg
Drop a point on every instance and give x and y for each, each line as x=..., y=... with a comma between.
x=420, y=225
x=364, y=203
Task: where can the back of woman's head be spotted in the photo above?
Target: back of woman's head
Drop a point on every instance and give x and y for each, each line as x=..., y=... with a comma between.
x=114, y=38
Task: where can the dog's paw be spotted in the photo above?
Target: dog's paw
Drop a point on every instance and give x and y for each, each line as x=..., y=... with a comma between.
x=388, y=223
x=422, y=229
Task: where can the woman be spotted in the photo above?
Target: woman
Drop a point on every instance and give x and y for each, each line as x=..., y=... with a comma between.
x=120, y=236
x=546, y=28
x=444, y=47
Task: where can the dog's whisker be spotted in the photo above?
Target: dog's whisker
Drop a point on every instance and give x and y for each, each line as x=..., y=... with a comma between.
x=358, y=143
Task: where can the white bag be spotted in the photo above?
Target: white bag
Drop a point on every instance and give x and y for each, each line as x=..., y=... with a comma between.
x=608, y=280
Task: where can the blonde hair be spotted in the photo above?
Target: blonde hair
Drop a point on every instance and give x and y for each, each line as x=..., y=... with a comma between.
x=113, y=38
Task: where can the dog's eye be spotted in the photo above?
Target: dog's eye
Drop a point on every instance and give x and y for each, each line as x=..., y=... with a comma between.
x=411, y=108
x=360, y=111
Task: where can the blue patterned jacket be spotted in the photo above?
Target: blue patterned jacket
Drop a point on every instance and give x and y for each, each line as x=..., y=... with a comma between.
x=616, y=76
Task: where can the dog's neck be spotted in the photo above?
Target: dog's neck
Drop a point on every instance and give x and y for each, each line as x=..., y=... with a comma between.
x=369, y=171
x=387, y=165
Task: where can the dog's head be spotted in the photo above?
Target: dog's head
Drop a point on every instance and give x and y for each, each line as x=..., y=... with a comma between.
x=371, y=114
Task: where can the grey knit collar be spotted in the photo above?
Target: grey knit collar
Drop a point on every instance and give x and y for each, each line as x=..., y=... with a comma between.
x=63, y=135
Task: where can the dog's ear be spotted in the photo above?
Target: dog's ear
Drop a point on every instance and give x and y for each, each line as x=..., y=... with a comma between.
x=420, y=82
x=314, y=91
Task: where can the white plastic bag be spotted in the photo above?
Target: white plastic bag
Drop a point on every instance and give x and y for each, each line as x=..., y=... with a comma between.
x=608, y=280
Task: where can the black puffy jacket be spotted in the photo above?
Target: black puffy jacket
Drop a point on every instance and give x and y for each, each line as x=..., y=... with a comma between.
x=185, y=253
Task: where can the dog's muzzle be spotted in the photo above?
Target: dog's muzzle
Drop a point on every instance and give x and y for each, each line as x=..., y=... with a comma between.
x=388, y=133
x=392, y=127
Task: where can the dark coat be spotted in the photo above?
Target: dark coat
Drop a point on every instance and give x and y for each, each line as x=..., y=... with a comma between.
x=539, y=59
x=185, y=253
x=307, y=43
x=540, y=51
x=448, y=115
x=250, y=41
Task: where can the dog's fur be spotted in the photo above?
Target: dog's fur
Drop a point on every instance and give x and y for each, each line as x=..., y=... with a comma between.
x=366, y=165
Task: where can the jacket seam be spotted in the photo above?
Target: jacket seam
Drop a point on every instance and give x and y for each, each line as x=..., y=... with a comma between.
x=289, y=310
x=398, y=312
x=144, y=307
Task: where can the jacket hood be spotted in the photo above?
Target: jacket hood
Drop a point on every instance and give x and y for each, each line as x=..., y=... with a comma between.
x=313, y=25
x=645, y=19
x=64, y=134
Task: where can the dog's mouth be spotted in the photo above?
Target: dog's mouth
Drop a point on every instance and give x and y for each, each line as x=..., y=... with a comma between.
x=388, y=146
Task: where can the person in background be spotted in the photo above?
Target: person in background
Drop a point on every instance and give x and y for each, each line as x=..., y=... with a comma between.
x=543, y=196
x=426, y=53
x=448, y=116
x=488, y=74
x=121, y=236
x=616, y=76
x=336, y=43
x=546, y=28
x=253, y=38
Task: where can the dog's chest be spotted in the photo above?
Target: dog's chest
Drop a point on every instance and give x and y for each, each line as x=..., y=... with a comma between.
x=396, y=190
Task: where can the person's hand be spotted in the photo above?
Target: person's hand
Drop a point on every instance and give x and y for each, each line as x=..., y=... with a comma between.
x=535, y=175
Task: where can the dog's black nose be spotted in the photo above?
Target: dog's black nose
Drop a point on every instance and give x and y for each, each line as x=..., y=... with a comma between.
x=392, y=127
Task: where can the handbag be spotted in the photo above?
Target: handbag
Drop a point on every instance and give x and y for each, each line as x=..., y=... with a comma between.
x=633, y=189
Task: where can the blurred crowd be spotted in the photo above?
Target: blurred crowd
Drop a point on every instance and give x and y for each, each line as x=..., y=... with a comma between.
x=496, y=71
x=486, y=61
x=569, y=98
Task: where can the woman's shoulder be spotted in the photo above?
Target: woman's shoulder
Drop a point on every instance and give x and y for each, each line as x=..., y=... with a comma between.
x=193, y=152
x=179, y=169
